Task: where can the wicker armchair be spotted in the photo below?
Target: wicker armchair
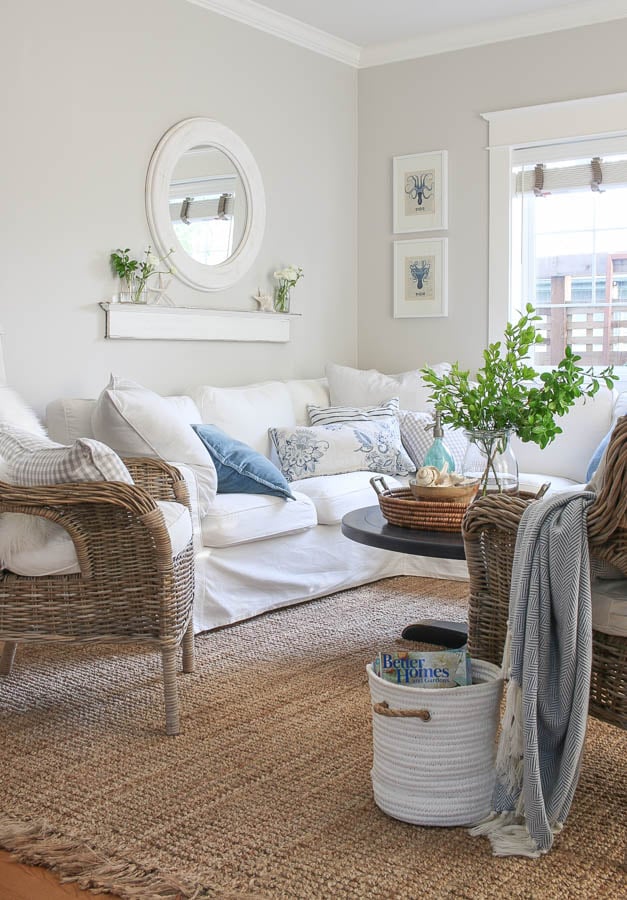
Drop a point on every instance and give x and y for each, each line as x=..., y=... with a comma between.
x=489, y=530
x=129, y=587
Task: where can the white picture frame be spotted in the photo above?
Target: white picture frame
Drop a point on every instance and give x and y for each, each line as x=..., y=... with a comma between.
x=421, y=278
x=420, y=186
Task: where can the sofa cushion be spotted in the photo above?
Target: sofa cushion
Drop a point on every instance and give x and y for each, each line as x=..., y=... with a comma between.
x=54, y=553
x=365, y=387
x=569, y=454
x=304, y=391
x=136, y=421
x=242, y=518
x=30, y=460
x=335, y=449
x=328, y=415
x=335, y=495
x=245, y=413
x=609, y=606
x=240, y=469
x=417, y=438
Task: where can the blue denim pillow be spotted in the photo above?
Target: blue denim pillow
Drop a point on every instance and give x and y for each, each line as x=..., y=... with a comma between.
x=241, y=470
x=593, y=465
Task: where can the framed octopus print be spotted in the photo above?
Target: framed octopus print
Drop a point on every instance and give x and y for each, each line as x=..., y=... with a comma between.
x=420, y=192
x=420, y=278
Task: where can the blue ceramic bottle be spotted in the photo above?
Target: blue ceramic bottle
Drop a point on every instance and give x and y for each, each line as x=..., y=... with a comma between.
x=438, y=453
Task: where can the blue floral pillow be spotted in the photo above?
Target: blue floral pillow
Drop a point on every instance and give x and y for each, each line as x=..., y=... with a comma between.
x=334, y=449
x=241, y=470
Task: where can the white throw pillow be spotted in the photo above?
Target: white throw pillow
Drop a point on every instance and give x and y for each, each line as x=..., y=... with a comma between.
x=417, y=440
x=136, y=421
x=303, y=452
x=13, y=411
x=368, y=387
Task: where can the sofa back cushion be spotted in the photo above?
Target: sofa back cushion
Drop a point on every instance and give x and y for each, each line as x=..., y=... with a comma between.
x=368, y=387
x=245, y=413
x=569, y=454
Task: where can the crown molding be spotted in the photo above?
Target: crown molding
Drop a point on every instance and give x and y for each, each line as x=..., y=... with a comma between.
x=589, y=12
x=282, y=26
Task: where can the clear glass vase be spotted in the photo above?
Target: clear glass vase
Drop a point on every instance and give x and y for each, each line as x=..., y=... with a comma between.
x=490, y=460
x=282, y=297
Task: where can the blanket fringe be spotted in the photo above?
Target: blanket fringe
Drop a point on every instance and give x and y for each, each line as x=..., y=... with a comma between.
x=510, y=753
x=74, y=860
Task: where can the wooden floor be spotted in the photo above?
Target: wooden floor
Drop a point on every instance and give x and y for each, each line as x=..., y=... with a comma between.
x=19, y=882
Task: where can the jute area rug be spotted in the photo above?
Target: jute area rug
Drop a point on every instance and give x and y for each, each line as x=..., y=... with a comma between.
x=266, y=793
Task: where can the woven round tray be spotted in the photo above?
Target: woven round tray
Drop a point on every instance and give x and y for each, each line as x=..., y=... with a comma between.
x=400, y=507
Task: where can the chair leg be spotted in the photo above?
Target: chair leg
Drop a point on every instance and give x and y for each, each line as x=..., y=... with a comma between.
x=8, y=655
x=170, y=689
x=188, y=648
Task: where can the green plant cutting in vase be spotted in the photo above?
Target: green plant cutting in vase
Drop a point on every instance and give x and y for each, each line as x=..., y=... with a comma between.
x=508, y=395
x=134, y=273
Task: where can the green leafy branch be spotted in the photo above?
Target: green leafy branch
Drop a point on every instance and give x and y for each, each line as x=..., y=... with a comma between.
x=508, y=393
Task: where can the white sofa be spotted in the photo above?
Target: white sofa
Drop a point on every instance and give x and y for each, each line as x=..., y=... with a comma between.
x=256, y=552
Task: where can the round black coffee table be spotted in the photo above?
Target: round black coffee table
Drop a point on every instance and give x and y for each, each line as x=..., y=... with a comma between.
x=367, y=526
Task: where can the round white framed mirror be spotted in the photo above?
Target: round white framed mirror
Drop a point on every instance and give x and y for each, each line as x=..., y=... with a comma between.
x=205, y=199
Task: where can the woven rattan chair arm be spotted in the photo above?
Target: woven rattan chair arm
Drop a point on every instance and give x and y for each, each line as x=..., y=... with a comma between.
x=112, y=524
x=607, y=516
x=501, y=512
x=160, y=479
x=129, y=496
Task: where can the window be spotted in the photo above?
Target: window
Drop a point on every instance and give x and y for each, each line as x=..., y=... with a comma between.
x=558, y=225
x=569, y=249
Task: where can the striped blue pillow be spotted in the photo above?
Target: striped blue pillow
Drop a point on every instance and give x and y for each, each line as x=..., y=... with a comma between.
x=331, y=415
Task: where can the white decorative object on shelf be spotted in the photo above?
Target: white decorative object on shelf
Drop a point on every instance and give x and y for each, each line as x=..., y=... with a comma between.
x=150, y=322
x=265, y=301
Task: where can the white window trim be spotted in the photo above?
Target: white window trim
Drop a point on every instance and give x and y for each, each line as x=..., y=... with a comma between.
x=509, y=129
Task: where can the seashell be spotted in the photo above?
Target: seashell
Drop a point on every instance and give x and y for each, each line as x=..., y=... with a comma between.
x=427, y=476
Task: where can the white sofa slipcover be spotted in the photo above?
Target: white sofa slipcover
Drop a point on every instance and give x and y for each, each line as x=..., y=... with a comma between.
x=255, y=553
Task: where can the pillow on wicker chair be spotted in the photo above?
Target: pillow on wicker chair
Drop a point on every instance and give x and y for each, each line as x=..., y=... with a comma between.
x=28, y=459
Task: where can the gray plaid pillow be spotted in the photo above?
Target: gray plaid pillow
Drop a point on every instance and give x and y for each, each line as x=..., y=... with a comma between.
x=32, y=460
x=417, y=438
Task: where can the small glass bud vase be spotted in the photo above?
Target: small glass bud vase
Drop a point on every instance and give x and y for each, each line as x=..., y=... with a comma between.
x=282, y=297
x=490, y=460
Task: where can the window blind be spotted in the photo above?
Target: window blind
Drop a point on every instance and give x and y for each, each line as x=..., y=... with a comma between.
x=553, y=177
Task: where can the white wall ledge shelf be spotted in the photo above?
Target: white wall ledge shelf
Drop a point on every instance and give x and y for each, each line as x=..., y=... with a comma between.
x=130, y=321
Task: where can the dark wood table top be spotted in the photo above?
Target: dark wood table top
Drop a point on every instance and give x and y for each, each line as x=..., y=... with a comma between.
x=367, y=526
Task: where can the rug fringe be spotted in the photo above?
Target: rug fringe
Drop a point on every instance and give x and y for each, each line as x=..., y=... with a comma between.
x=74, y=860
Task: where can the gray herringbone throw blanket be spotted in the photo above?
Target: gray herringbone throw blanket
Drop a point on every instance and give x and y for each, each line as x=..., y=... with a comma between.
x=548, y=660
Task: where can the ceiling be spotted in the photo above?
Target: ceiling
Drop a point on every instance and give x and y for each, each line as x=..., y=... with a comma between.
x=374, y=32
x=366, y=22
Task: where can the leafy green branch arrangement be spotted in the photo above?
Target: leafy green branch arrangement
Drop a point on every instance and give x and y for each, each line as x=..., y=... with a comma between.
x=509, y=394
x=135, y=273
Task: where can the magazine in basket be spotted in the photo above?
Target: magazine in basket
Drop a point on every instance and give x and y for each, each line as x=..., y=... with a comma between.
x=420, y=668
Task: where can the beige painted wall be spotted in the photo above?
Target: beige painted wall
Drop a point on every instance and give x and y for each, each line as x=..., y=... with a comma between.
x=433, y=104
x=89, y=87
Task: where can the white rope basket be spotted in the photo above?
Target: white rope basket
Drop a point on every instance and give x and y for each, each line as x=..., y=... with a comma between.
x=434, y=748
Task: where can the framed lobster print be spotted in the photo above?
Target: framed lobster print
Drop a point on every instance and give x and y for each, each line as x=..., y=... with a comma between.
x=420, y=278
